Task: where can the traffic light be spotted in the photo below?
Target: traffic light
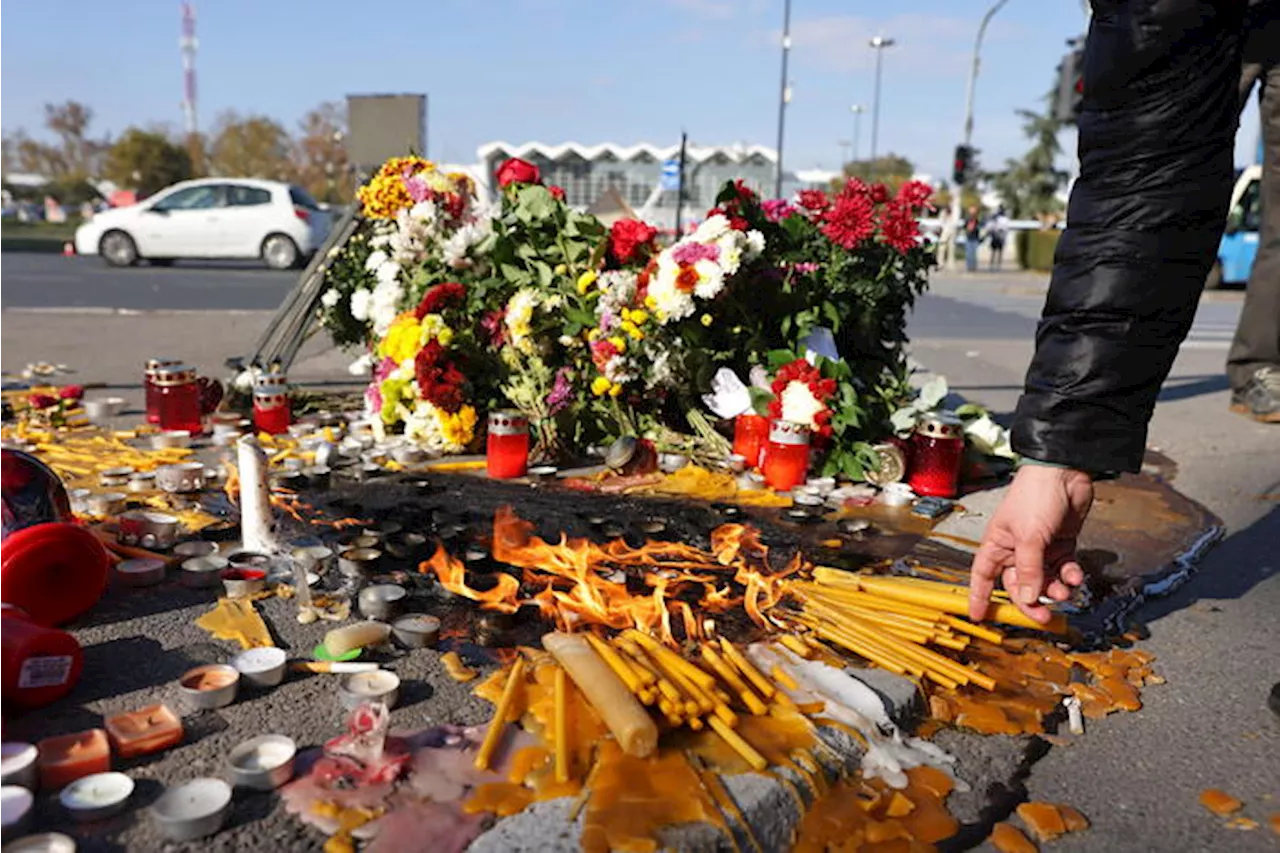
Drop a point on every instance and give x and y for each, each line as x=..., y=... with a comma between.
x=1070, y=87
x=963, y=163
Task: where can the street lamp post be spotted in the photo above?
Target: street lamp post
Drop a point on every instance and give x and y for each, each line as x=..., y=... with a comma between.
x=879, y=43
x=784, y=94
x=857, y=110
x=968, y=98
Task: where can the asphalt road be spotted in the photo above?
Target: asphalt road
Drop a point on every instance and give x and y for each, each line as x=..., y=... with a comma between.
x=1137, y=776
x=55, y=282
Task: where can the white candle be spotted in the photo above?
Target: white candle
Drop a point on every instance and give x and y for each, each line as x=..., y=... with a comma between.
x=18, y=764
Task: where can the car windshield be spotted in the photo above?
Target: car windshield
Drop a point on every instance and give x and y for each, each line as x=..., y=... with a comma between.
x=302, y=198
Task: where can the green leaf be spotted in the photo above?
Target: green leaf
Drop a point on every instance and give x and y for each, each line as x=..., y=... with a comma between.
x=515, y=275
x=545, y=273
x=778, y=357
x=535, y=202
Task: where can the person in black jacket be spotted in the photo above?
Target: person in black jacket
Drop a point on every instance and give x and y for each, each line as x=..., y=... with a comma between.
x=1156, y=137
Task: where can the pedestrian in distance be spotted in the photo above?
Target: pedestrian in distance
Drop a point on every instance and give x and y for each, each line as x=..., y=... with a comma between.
x=972, y=238
x=946, y=239
x=997, y=232
x=1157, y=126
x=1253, y=362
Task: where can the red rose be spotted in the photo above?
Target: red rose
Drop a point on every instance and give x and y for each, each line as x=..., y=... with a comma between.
x=71, y=392
x=517, y=171
x=41, y=401
x=627, y=237
x=556, y=192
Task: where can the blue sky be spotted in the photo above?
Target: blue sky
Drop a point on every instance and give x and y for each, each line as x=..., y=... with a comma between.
x=558, y=70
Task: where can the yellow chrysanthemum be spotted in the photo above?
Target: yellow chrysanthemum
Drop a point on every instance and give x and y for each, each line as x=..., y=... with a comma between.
x=639, y=317
x=619, y=343
x=650, y=303
x=403, y=339
x=458, y=428
x=615, y=390
x=600, y=386
x=385, y=194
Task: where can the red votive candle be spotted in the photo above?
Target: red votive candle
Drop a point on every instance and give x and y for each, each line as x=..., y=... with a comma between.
x=178, y=399
x=149, y=386
x=786, y=455
x=750, y=433
x=937, y=448
x=507, y=445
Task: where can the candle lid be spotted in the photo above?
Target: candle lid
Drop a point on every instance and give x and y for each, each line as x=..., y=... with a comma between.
x=940, y=425
x=154, y=364
x=788, y=432
x=508, y=422
x=174, y=374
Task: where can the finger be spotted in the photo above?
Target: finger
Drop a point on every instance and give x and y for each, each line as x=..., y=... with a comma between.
x=1071, y=573
x=982, y=577
x=1029, y=565
x=1058, y=591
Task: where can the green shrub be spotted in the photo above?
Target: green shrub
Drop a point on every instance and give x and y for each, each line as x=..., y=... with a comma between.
x=1035, y=249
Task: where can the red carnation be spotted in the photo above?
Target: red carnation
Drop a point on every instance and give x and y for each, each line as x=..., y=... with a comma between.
x=440, y=297
x=631, y=240
x=42, y=401
x=517, y=171
x=439, y=380
x=71, y=392
x=556, y=192
x=814, y=201
x=915, y=194
x=879, y=193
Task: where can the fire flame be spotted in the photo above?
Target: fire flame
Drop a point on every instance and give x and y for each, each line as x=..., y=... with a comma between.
x=656, y=588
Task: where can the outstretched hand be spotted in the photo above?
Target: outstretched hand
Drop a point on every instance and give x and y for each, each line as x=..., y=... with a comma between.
x=1030, y=543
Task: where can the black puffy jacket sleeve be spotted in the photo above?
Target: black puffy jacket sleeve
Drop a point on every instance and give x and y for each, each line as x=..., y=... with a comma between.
x=1156, y=136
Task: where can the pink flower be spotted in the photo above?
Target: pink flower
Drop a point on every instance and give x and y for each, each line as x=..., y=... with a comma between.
x=416, y=186
x=776, y=209
x=688, y=254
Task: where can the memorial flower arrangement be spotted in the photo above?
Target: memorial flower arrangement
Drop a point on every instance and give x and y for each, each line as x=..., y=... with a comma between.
x=595, y=332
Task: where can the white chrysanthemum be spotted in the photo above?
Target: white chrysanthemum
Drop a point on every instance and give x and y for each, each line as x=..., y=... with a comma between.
x=375, y=260
x=360, y=301
x=660, y=372
x=710, y=279
x=424, y=211
x=799, y=405
x=669, y=301
x=384, y=305
x=361, y=366
x=711, y=228
x=730, y=246
x=330, y=298
x=755, y=244
x=387, y=272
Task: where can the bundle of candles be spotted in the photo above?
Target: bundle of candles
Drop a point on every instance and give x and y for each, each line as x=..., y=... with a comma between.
x=628, y=678
x=893, y=621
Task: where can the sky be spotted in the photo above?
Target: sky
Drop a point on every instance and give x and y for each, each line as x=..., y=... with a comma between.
x=589, y=71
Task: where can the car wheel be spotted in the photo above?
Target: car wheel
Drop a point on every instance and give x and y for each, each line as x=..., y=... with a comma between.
x=118, y=249
x=1214, y=280
x=279, y=252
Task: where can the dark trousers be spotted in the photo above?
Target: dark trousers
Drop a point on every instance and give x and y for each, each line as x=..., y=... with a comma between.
x=1257, y=340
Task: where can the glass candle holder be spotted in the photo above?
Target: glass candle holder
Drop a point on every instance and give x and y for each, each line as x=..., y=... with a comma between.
x=786, y=455
x=149, y=386
x=937, y=449
x=507, y=445
x=750, y=434
x=271, y=410
x=178, y=399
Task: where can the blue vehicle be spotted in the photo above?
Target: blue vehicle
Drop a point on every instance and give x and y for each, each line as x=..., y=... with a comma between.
x=1239, y=244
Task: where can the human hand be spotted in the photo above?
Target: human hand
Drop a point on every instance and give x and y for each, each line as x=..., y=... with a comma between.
x=1030, y=543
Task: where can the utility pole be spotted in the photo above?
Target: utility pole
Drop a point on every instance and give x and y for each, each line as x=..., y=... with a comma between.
x=684, y=138
x=968, y=99
x=879, y=43
x=857, y=110
x=784, y=94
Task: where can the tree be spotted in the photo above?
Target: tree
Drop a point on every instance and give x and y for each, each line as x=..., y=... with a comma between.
x=146, y=161
x=891, y=170
x=249, y=147
x=1030, y=185
x=76, y=155
x=320, y=155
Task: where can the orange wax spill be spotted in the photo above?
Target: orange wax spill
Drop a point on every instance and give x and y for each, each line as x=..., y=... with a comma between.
x=930, y=779
x=775, y=737
x=526, y=762
x=1219, y=802
x=1274, y=822
x=502, y=798
x=984, y=718
x=1072, y=819
x=857, y=814
x=899, y=805
x=1007, y=838
x=1244, y=823
x=1043, y=819
x=633, y=798
x=1122, y=693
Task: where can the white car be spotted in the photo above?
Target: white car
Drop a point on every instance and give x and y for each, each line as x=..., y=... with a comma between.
x=210, y=218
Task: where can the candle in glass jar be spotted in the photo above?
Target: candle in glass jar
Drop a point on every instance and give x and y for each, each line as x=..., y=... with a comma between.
x=271, y=410
x=507, y=447
x=786, y=455
x=750, y=433
x=178, y=399
x=149, y=386
x=937, y=448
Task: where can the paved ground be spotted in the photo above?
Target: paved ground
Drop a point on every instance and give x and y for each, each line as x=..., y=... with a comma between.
x=1136, y=776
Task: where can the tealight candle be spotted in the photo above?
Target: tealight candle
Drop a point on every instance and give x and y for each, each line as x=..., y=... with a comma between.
x=377, y=686
x=786, y=455
x=750, y=432
x=15, y=809
x=98, y=796
x=69, y=757
x=42, y=842
x=263, y=763
x=144, y=731
x=144, y=571
x=18, y=764
x=507, y=445
x=193, y=810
